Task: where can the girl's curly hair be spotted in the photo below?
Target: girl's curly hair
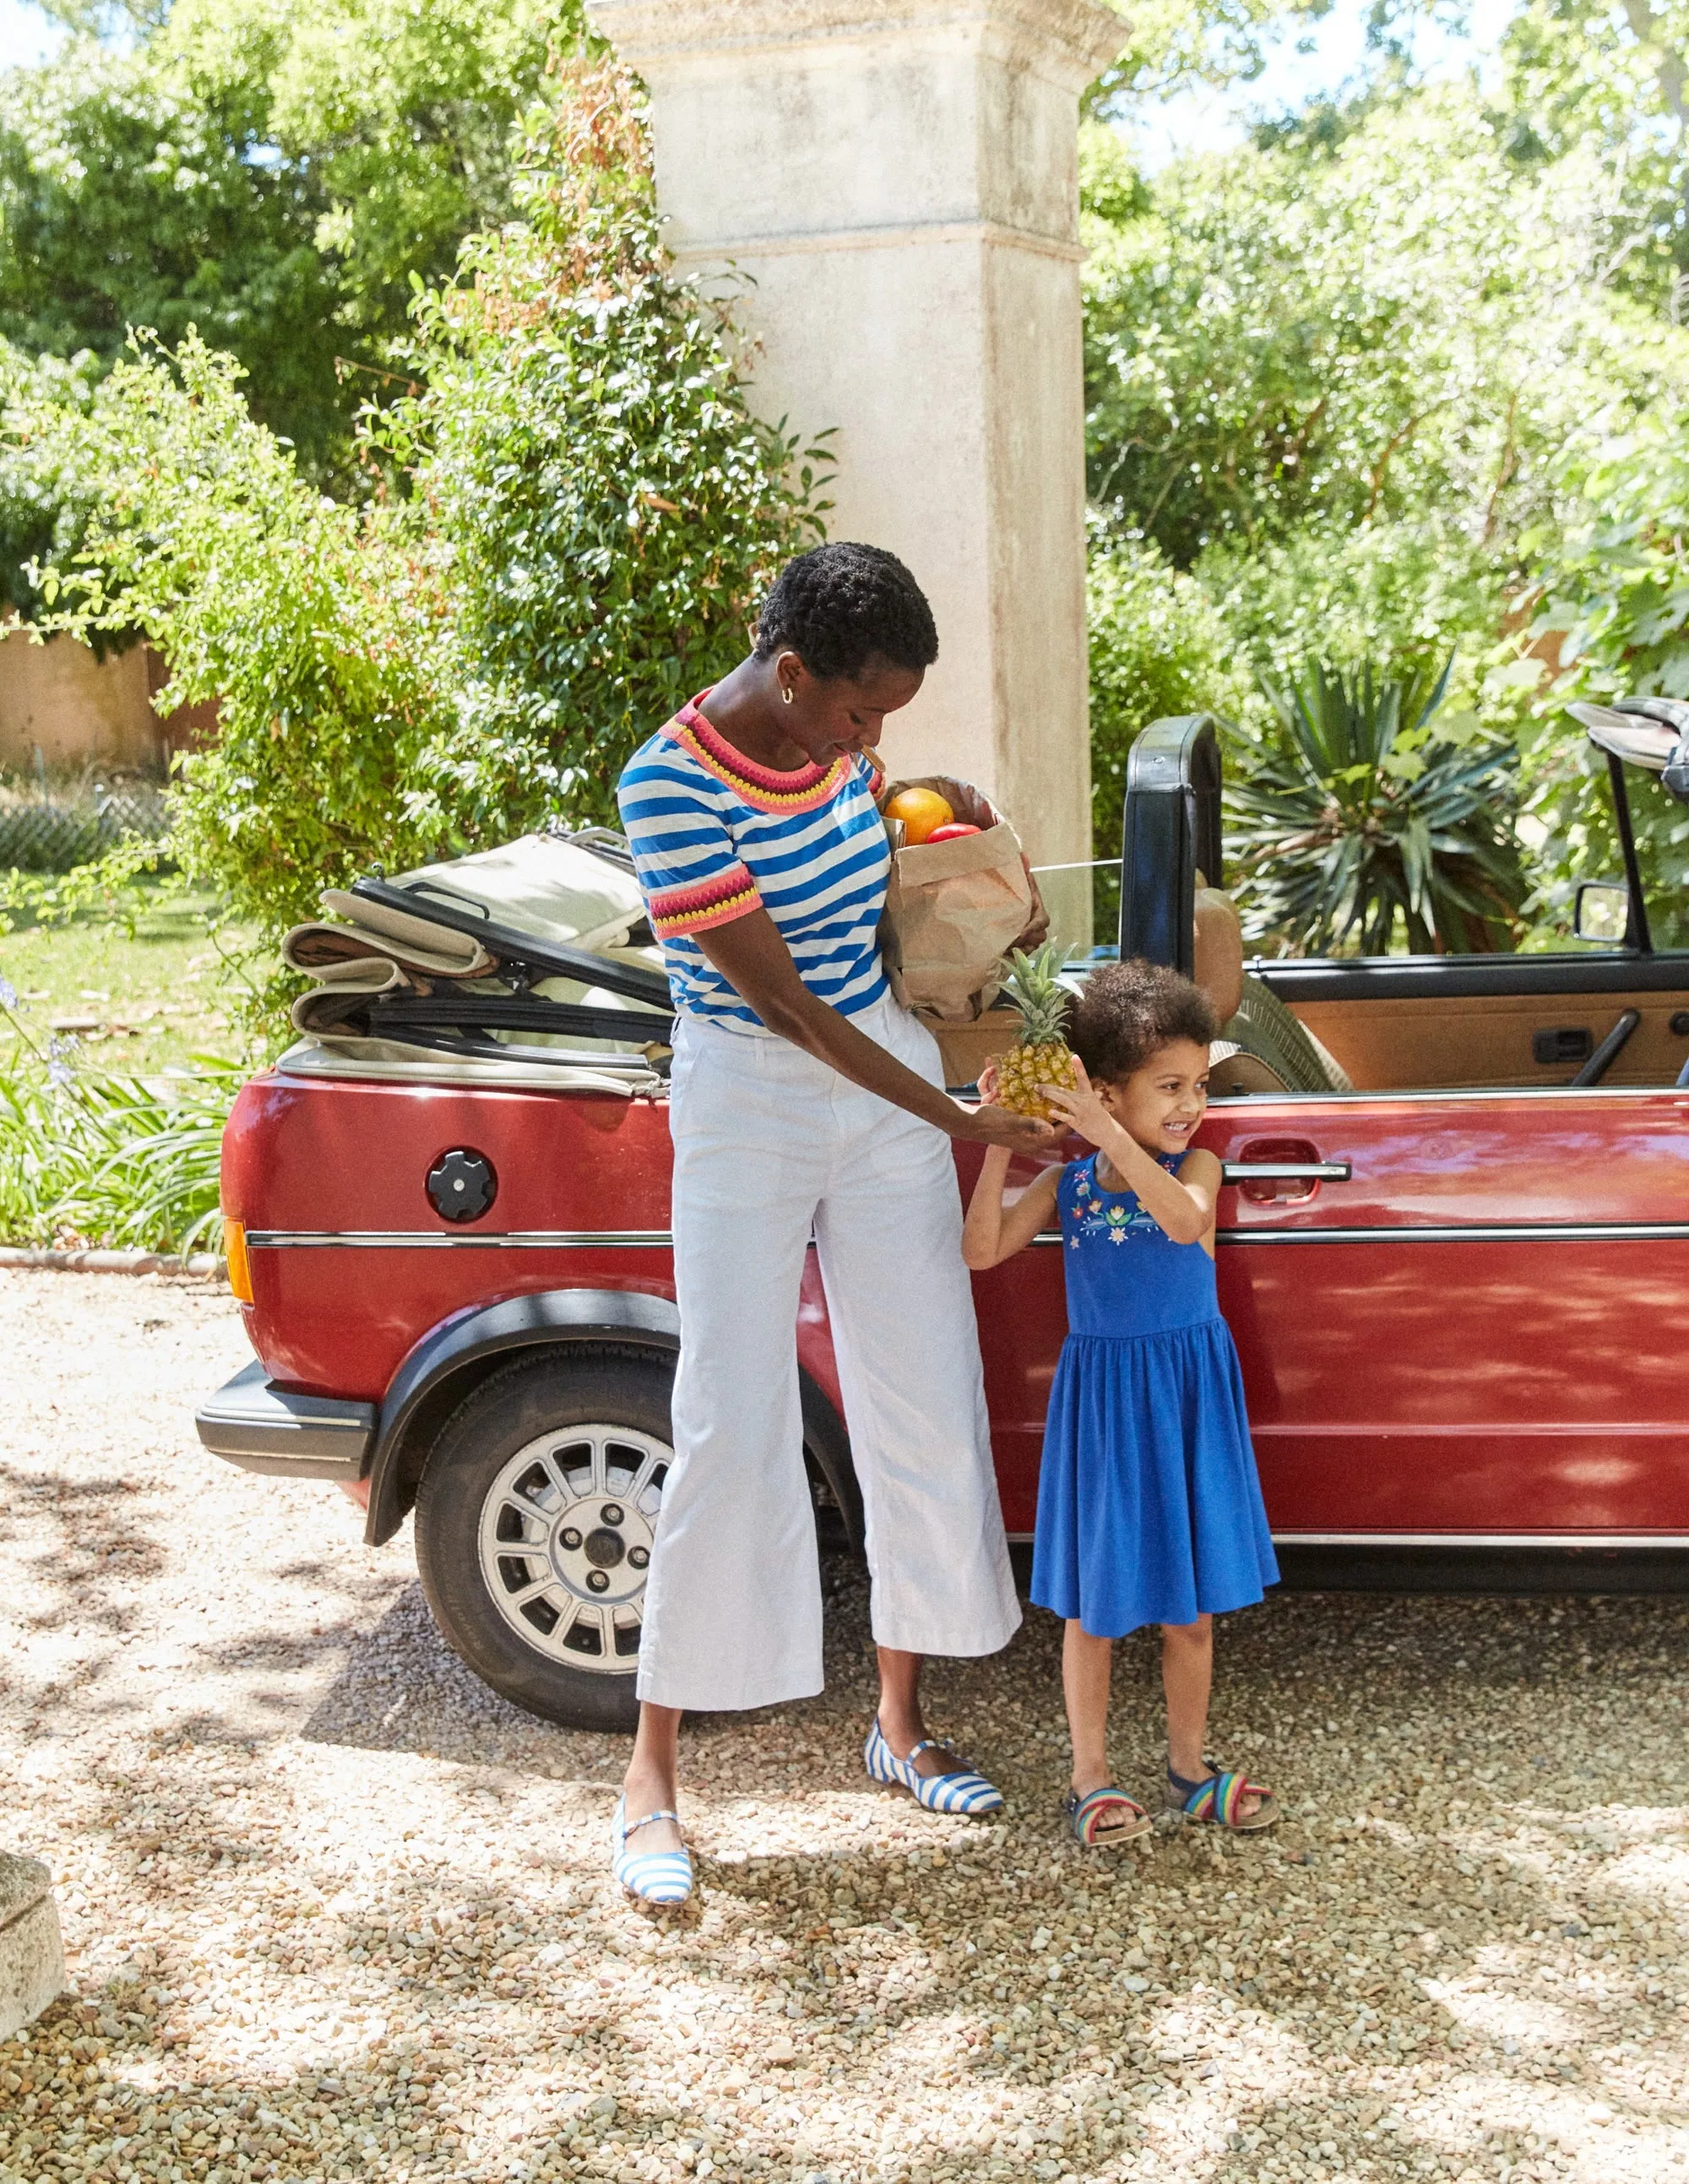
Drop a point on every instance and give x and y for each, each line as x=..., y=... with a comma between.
x=842, y=605
x=1129, y=1011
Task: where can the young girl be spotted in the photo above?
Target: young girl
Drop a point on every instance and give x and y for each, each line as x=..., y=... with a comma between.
x=1149, y=1509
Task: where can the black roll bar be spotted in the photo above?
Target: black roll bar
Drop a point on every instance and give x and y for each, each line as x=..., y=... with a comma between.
x=1637, y=933
x=1172, y=831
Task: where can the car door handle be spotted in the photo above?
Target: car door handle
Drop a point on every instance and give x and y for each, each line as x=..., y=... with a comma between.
x=1285, y=1171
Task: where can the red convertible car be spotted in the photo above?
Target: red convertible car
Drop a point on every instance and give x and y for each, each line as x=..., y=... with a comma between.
x=1453, y=1246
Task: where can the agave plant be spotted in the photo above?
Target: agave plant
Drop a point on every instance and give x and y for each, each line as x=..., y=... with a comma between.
x=1358, y=827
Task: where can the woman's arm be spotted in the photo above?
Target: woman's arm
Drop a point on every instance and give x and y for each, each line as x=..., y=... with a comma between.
x=750, y=954
x=991, y=1232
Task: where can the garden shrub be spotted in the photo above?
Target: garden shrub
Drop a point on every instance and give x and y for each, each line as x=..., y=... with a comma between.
x=47, y=492
x=1157, y=649
x=1365, y=822
x=1615, y=590
x=318, y=627
x=1416, y=592
x=602, y=509
x=595, y=511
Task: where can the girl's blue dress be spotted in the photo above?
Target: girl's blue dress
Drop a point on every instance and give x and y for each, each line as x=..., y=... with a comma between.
x=1149, y=1508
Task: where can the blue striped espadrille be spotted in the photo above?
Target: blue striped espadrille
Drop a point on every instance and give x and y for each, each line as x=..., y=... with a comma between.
x=964, y=1792
x=654, y=1876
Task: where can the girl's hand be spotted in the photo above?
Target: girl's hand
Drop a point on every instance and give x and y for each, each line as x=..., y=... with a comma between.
x=987, y=1087
x=1080, y=1108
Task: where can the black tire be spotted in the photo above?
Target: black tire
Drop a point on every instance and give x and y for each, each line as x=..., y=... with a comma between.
x=502, y=1496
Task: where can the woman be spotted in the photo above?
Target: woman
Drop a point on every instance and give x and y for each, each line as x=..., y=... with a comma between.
x=805, y=1101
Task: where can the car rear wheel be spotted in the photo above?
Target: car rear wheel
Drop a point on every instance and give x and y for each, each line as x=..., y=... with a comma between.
x=534, y=1522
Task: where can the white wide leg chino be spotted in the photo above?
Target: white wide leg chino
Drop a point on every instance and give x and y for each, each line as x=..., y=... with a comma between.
x=770, y=1144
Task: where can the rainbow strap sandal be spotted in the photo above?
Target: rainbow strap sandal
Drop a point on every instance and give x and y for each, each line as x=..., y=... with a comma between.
x=1217, y=1799
x=654, y=1876
x=1105, y=1818
x=965, y=1792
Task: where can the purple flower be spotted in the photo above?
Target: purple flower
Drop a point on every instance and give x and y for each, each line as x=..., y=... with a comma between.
x=9, y=994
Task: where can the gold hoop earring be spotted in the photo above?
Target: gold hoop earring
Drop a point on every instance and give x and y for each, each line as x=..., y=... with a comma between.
x=787, y=695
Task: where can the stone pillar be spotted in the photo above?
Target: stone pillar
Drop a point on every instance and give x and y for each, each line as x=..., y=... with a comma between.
x=898, y=177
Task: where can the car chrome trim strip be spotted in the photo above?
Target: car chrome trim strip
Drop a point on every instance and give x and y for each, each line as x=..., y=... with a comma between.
x=1474, y=1232
x=1673, y=1540
x=1447, y=1094
x=432, y=1240
x=662, y=1239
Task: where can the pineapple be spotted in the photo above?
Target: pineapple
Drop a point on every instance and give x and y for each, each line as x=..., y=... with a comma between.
x=1040, y=1055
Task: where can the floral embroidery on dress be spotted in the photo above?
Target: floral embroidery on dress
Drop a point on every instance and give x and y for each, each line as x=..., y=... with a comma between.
x=1115, y=1215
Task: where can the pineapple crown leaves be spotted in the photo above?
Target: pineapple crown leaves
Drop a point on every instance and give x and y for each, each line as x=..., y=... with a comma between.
x=1034, y=984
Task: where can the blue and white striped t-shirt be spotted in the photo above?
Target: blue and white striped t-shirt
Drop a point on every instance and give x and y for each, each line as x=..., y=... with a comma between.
x=714, y=836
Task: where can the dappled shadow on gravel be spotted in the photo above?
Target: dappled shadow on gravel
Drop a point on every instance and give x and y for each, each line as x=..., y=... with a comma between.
x=94, y=1533
x=334, y=1912
x=400, y=1688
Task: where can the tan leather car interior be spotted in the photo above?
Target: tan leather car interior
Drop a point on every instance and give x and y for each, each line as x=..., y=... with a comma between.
x=1261, y=1047
x=1476, y=1042
x=1489, y=1040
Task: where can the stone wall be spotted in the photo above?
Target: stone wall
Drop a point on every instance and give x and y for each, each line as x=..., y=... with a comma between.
x=80, y=712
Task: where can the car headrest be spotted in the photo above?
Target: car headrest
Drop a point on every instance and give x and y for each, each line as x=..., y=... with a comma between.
x=1218, y=965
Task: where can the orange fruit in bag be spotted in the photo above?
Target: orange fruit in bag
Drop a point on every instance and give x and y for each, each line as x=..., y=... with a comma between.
x=921, y=810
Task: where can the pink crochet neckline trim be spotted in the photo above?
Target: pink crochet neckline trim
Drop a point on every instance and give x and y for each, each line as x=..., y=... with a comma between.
x=733, y=760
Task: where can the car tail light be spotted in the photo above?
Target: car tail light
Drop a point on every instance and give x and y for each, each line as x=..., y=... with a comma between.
x=240, y=1267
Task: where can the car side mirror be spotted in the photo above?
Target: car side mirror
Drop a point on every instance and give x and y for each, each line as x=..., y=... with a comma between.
x=1603, y=911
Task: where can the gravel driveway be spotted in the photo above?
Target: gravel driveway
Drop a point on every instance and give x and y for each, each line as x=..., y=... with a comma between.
x=333, y=1911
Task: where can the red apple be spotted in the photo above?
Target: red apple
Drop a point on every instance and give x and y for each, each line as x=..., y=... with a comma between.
x=953, y=832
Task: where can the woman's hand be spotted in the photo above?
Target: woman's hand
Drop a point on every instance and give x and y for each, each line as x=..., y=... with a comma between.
x=996, y=1126
x=1081, y=1109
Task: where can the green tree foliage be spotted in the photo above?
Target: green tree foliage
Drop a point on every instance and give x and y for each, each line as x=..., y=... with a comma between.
x=1157, y=649
x=1616, y=594
x=1405, y=321
x=268, y=171
x=1344, y=379
x=318, y=627
x=1414, y=592
x=45, y=495
x=603, y=510
x=595, y=513
x=1170, y=44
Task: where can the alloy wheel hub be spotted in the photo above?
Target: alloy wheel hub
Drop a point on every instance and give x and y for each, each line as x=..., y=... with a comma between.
x=565, y=1540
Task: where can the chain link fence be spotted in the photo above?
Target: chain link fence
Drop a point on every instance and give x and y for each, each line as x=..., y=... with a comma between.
x=45, y=833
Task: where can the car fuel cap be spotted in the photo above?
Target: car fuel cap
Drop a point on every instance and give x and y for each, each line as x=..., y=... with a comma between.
x=462, y=1184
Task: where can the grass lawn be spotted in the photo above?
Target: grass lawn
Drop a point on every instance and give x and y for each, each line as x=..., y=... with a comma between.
x=132, y=1005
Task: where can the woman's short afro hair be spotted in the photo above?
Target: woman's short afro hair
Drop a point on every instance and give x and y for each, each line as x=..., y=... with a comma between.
x=842, y=606
x=1128, y=1012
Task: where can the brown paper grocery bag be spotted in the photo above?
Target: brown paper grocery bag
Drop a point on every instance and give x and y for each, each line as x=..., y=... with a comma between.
x=951, y=910
x=967, y=1048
